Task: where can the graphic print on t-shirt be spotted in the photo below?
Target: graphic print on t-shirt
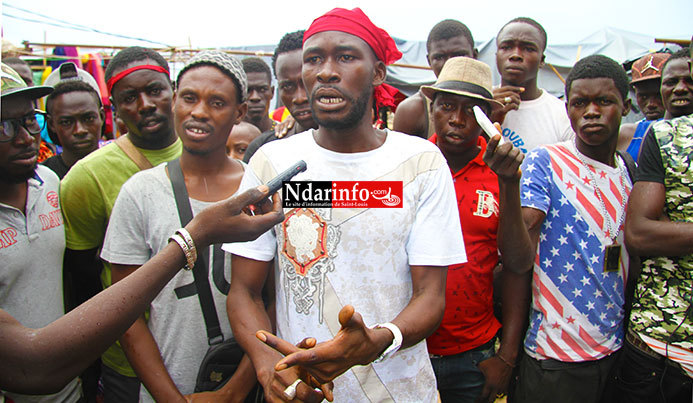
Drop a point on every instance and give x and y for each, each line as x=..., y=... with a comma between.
x=308, y=245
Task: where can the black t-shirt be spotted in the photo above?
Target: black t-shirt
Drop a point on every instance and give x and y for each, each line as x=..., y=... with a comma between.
x=57, y=164
x=650, y=166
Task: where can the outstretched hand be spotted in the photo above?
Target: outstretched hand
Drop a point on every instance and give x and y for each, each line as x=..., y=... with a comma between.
x=225, y=221
x=503, y=158
x=354, y=344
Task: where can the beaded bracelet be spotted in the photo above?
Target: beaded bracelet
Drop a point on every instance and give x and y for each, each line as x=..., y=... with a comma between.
x=186, y=250
x=188, y=239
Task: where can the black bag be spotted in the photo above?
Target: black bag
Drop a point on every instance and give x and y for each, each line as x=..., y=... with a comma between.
x=223, y=356
x=631, y=166
x=220, y=362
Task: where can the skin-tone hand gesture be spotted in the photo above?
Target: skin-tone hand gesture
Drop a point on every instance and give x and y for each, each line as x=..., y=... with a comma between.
x=284, y=126
x=497, y=374
x=52, y=356
x=509, y=96
x=278, y=387
x=354, y=344
x=503, y=159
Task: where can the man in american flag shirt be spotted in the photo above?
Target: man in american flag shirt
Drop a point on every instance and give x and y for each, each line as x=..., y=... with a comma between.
x=562, y=220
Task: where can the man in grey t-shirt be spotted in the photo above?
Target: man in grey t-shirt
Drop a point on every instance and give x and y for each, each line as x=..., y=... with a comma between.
x=166, y=351
x=32, y=236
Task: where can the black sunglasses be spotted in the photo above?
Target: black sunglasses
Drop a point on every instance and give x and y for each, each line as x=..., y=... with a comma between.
x=31, y=123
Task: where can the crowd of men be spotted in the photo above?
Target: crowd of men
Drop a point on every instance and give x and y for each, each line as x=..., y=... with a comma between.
x=547, y=261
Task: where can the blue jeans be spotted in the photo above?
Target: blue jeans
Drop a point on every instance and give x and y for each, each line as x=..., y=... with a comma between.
x=459, y=379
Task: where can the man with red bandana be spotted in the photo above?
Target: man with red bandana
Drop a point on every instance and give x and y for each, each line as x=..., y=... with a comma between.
x=389, y=265
x=140, y=88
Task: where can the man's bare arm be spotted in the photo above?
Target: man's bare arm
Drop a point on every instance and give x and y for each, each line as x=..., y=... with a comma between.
x=410, y=117
x=44, y=360
x=518, y=227
x=648, y=231
x=515, y=295
x=40, y=361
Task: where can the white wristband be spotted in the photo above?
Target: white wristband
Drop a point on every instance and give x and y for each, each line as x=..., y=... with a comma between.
x=396, y=341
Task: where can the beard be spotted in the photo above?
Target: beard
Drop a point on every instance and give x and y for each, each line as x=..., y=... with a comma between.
x=359, y=107
x=196, y=152
x=14, y=178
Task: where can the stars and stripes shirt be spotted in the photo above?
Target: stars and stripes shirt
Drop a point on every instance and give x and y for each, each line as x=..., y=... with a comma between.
x=577, y=306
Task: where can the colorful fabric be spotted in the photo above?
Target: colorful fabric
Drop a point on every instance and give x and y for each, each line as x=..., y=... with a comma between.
x=577, y=307
x=93, y=63
x=44, y=151
x=663, y=295
x=280, y=114
x=72, y=56
x=469, y=321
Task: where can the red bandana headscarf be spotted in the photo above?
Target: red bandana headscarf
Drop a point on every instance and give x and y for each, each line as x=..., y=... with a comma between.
x=356, y=23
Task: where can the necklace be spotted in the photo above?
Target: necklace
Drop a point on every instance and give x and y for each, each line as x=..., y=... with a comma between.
x=612, y=252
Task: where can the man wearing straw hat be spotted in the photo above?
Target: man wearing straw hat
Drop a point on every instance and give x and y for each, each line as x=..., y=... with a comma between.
x=462, y=349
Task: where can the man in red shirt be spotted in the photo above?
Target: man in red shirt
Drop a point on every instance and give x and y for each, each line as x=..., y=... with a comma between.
x=462, y=349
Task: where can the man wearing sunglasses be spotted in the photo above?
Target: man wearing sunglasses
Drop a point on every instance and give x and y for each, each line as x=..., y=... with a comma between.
x=32, y=237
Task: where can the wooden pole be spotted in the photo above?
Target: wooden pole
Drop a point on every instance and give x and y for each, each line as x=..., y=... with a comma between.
x=682, y=42
x=174, y=52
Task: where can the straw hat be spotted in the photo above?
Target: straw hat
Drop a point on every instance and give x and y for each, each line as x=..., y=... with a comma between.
x=464, y=76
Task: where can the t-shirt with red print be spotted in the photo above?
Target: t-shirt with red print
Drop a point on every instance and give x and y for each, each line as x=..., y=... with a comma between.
x=468, y=321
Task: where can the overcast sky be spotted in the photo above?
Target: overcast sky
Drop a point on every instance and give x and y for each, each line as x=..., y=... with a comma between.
x=206, y=23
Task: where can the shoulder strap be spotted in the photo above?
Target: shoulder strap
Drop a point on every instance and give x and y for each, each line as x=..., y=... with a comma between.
x=630, y=164
x=133, y=153
x=201, y=269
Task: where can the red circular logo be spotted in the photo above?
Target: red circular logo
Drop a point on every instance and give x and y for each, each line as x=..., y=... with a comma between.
x=52, y=198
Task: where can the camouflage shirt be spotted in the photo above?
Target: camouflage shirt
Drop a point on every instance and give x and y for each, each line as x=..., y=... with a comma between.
x=665, y=287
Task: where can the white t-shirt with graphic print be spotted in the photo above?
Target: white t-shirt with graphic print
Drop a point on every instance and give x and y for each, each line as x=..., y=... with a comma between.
x=331, y=257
